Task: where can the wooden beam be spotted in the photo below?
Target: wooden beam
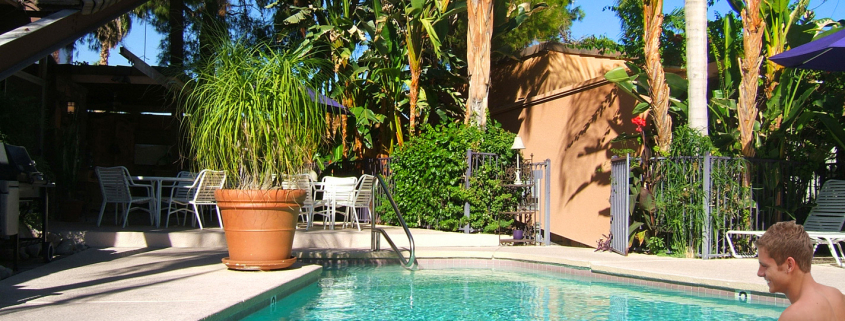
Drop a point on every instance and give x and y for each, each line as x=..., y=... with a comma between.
x=58, y=3
x=13, y=3
x=112, y=79
x=30, y=78
x=168, y=82
x=26, y=44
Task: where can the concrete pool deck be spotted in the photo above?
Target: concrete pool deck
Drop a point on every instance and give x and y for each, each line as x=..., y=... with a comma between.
x=190, y=283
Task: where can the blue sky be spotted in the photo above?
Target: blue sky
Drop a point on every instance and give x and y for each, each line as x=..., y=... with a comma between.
x=144, y=41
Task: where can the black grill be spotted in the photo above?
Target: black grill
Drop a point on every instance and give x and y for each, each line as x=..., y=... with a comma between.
x=19, y=179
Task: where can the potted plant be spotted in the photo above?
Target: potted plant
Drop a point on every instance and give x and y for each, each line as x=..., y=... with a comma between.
x=248, y=112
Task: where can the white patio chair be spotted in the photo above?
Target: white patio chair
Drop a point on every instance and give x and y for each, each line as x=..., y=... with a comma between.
x=335, y=191
x=304, y=182
x=201, y=192
x=823, y=224
x=115, y=185
x=363, y=198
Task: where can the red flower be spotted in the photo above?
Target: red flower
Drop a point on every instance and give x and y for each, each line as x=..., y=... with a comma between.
x=640, y=122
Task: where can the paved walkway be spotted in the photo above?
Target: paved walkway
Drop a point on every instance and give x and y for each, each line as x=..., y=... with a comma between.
x=190, y=283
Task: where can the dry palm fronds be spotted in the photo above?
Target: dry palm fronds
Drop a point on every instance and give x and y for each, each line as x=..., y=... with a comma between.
x=659, y=90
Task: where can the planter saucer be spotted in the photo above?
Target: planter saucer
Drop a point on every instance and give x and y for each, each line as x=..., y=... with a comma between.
x=258, y=265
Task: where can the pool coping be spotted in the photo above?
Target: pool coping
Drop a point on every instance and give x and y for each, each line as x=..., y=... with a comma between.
x=597, y=270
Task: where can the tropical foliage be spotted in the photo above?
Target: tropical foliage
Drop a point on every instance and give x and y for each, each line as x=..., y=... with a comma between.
x=755, y=109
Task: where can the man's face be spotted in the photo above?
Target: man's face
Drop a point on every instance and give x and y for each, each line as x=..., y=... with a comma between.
x=775, y=275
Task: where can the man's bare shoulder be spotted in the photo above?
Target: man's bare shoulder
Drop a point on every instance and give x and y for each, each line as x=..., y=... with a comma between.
x=801, y=311
x=837, y=301
x=825, y=303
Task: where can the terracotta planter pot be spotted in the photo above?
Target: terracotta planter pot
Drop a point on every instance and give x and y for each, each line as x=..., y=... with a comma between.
x=259, y=227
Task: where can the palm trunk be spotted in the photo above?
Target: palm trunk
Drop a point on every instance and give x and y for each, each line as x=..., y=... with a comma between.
x=104, y=54
x=415, y=52
x=659, y=92
x=696, y=32
x=479, y=33
x=414, y=95
x=752, y=42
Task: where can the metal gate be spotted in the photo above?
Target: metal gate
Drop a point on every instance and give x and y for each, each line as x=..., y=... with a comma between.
x=536, y=175
x=619, y=204
x=474, y=161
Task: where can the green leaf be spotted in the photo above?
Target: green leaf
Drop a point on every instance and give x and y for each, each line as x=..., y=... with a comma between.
x=834, y=128
x=677, y=84
x=641, y=108
x=618, y=74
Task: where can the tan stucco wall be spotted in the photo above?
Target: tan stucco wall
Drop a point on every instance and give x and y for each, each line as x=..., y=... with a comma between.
x=544, y=73
x=572, y=125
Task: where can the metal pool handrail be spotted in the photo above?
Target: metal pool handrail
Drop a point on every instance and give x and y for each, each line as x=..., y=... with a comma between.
x=411, y=262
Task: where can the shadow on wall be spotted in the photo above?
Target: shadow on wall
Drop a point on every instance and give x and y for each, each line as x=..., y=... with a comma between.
x=589, y=121
x=537, y=75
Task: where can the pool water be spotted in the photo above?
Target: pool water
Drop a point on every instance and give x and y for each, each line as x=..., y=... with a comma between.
x=392, y=293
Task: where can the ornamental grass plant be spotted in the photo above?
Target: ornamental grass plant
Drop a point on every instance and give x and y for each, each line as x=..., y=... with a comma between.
x=248, y=112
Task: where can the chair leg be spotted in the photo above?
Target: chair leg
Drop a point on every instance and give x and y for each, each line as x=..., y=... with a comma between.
x=310, y=218
x=219, y=217
x=198, y=215
x=355, y=217
x=126, y=214
x=102, y=209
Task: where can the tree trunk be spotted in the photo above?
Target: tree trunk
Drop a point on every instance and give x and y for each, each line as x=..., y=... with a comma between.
x=177, y=32
x=479, y=34
x=104, y=54
x=414, y=95
x=213, y=23
x=752, y=43
x=696, y=32
x=659, y=92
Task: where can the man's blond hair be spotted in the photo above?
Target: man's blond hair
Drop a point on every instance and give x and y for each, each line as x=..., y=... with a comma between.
x=787, y=239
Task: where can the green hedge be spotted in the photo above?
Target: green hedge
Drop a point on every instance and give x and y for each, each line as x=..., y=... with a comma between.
x=428, y=173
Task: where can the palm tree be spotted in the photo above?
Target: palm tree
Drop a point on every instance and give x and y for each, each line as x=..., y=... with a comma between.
x=752, y=43
x=659, y=90
x=479, y=34
x=696, y=31
x=421, y=16
x=108, y=36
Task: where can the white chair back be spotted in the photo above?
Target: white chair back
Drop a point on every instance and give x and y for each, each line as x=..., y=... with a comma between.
x=114, y=184
x=339, y=188
x=364, y=192
x=208, y=182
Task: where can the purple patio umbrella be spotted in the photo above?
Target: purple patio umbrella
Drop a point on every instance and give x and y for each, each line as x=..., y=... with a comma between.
x=826, y=53
x=332, y=104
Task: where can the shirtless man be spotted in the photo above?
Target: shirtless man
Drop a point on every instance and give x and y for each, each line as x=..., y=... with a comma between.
x=785, y=253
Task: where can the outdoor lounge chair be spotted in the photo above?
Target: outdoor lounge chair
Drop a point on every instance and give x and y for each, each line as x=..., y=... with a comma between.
x=823, y=224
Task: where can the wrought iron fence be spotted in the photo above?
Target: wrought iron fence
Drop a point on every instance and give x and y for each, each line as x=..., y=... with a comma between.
x=695, y=200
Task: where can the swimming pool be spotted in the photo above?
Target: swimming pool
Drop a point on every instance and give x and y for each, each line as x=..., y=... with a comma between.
x=391, y=293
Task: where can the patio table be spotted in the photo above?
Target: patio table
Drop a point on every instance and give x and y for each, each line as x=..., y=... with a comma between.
x=157, y=181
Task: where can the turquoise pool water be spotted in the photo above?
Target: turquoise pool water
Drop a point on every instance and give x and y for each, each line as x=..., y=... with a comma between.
x=391, y=293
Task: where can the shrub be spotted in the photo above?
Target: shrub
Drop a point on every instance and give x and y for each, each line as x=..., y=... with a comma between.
x=428, y=172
